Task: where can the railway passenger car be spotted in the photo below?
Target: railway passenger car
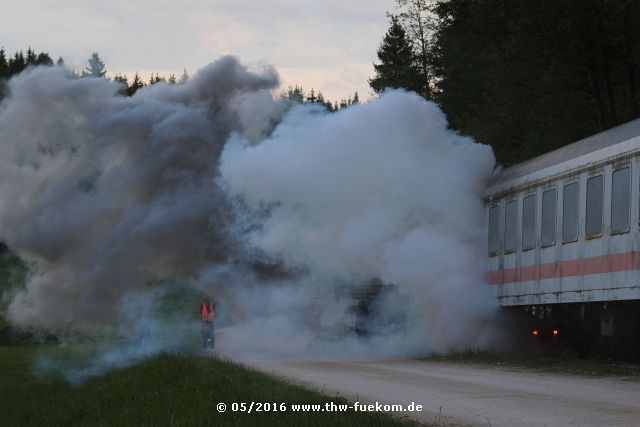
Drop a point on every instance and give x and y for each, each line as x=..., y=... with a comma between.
x=564, y=239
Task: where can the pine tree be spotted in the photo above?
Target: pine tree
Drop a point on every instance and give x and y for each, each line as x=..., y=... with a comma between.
x=16, y=64
x=124, y=82
x=31, y=56
x=184, y=77
x=325, y=103
x=156, y=79
x=43, y=58
x=60, y=62
x=312, y=96
x=4, y=66
x=295, y=94
x=396, y=68
x=136, y=84
x=4, y=73
x=172, y=79
x=356, y=99
x=95, y=68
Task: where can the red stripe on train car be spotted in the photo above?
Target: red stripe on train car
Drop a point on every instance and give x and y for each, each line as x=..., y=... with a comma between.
x=571, y=268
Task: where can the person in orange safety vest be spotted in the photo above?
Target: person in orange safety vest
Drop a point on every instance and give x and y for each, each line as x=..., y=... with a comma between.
x=207, y=316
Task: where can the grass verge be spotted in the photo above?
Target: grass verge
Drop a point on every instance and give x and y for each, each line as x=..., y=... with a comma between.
x=165, y=391
x=556, y=364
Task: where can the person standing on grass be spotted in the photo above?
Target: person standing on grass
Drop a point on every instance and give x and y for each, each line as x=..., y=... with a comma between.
x=207, y=316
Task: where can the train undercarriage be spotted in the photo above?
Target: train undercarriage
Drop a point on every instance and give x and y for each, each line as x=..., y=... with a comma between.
x=598, y=329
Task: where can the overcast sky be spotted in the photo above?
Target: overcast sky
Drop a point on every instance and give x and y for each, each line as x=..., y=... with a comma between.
x=328, y=44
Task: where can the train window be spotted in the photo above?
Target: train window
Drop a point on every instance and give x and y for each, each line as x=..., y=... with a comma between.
x=620, y=200
x=570, y=212
x=548, y=237
x=529, y=222
x=510, y=226
x=494, y=229
x=593, y=225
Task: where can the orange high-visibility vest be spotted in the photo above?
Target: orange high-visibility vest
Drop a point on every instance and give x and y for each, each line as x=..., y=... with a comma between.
x=206, y=313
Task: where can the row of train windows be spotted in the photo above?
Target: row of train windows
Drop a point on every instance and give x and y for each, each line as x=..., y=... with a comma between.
x=620, y=212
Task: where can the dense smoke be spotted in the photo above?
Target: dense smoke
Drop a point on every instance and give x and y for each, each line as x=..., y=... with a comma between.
x=107, y=193
x=123, y=205
x=381, y=190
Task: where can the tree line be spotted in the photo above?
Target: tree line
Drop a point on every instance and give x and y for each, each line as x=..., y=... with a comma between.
x=96, y=68
x=15, y=64
x=524, y=77
x=298, y=95
x=10, y=66
x=295, y=93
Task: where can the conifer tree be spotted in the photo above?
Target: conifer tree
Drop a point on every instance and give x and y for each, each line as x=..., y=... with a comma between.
x=95, y=68
x=312, y=96
x=136, y=84
x=397, y=66
x=43, y=58
x=17, y=63
x=156, y=79
x=295, y=94
x=31, y=56
x=124, y=82
x=4, y=66
x=184, y=77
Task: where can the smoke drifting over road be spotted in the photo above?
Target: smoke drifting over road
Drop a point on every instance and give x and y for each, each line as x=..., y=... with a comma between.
x=377, y=190
x=120, y=203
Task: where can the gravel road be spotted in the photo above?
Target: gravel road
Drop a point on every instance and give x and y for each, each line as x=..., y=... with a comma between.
x=454, y=394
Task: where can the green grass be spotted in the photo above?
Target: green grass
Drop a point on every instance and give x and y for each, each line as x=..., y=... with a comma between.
x=557, y=364
x=168, y=390
x=13, y=271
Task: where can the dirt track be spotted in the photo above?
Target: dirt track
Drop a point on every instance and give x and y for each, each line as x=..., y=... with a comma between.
x=453, y=394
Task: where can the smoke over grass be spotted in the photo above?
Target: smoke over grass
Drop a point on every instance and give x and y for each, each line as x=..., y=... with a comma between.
x=106, y=193
x=272, y=208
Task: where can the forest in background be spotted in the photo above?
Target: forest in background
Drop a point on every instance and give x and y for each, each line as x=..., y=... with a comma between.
x=19, y=61
x=524, y=77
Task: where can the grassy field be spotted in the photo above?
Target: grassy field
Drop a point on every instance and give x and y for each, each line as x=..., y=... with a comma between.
x=168, y=390
x=557, y=364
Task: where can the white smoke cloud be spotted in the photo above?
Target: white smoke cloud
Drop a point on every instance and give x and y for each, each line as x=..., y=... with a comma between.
x=382, y=190
x=276, y=210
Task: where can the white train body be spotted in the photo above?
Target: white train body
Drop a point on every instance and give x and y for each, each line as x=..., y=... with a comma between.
x=564, y=227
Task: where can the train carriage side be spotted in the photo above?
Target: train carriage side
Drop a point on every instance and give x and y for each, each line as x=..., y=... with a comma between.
x=563, y=240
